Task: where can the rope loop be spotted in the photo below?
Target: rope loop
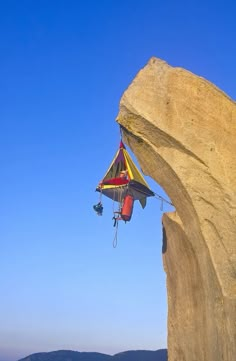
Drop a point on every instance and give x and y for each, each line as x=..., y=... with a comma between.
x=116, y=234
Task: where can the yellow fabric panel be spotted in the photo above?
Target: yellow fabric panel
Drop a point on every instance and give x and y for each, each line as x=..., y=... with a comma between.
x=111, y=165
x=133, y=171
x=109, y=186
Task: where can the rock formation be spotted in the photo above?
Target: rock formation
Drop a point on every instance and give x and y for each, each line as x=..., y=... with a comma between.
x=182, y=130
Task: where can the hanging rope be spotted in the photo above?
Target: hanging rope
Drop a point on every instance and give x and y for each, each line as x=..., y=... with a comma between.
x=116, y=217
x=100, y=196
x=116, y=234
x=163, y=200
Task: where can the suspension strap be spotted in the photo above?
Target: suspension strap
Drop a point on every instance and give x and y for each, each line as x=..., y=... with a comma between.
x=163, y=200
x=100, y=196
x=121, y=133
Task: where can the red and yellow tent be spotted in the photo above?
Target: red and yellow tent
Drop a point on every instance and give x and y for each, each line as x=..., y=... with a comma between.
x=132, y=186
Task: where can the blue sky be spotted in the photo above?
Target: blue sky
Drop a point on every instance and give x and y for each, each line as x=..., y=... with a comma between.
x=64, y=67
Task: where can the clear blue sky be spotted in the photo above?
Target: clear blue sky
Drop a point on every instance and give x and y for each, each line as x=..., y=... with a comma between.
x=64, y=66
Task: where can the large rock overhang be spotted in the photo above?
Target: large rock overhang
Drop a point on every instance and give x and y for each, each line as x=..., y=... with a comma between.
x=182, y=130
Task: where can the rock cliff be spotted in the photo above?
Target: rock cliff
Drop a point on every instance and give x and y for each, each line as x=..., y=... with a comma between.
x=182, y=130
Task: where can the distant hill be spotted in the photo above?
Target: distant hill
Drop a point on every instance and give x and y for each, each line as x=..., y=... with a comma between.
x=141, y=355
x=65, y=355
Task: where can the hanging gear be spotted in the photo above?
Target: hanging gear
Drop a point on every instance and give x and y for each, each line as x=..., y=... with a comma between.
x=98, y=208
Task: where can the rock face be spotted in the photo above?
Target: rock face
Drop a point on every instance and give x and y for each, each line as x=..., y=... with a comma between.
x=182, y=130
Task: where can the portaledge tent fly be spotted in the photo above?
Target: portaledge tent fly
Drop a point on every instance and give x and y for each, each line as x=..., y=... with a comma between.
x=133, y=185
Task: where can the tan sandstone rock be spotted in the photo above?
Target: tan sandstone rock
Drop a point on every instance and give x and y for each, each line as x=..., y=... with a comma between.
x=182, y=129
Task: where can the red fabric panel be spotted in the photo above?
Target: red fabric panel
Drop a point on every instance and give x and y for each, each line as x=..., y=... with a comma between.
x=115, y=181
